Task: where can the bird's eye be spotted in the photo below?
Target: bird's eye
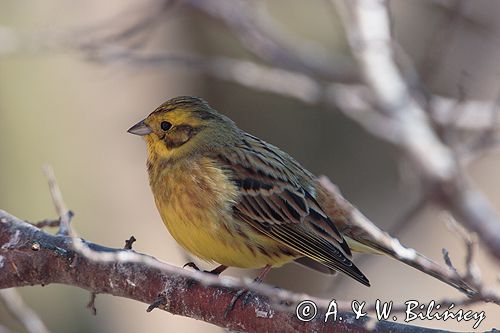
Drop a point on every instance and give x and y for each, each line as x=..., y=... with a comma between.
x=165, y=125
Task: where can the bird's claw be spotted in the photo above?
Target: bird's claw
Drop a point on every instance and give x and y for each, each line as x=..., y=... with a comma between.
x=231, y=304
x=192, y=265
x=246, y=299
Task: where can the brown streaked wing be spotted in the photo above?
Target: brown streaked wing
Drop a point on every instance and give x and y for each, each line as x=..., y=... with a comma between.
x=275, y=200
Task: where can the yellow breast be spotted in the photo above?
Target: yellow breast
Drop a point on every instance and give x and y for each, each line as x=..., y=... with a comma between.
x=195, y=199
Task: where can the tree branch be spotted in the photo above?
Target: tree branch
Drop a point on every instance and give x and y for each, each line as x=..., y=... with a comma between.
x=407, y=124
x=31, y=256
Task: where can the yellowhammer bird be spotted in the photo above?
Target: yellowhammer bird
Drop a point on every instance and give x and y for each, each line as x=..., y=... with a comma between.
x=231, y=198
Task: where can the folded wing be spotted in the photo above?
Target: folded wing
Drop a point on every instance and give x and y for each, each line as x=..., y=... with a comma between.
x=277, y=199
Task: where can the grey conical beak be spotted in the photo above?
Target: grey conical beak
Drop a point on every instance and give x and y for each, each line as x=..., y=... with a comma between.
x=140, y=129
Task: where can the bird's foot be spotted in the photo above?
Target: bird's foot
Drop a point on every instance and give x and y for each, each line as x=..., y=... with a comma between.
x=248, y=293
x=160, y=300
x=247, y=297
x=235, y=298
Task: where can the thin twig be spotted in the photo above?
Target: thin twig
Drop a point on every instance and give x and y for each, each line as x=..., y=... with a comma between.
x=64, y=214
x=447, y=260
x=472, y=274
x=47, y=223
x=129, y=242
x=91, y=303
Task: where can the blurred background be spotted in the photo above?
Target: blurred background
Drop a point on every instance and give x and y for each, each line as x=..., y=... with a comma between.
x=74, y=76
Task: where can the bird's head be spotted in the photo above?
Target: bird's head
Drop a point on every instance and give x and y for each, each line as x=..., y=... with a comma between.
x=183, y=126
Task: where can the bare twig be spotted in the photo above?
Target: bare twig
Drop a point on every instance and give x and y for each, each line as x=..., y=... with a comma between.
x=19, y=310
x=47, y=223
x=91, y=303
x=402, y=222
x=64, y=214
x=129, y=242
x=447, y=260
x=472, y=274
